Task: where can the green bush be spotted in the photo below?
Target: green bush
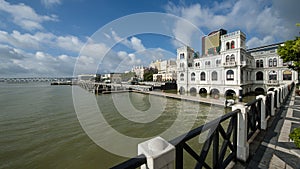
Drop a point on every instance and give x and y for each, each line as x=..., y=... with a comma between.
x=295, y=136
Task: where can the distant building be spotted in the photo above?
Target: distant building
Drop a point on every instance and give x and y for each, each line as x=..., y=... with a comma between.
x=87, y=77
x=111, y=78
x=139, y=72
x=211, y=44
x=166, y=70
x=232, y=68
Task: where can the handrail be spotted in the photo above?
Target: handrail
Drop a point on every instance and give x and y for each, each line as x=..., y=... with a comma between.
x=132, y=163
x=253, y=102
x=195, y=132
x=216, y=130
x=253, y=116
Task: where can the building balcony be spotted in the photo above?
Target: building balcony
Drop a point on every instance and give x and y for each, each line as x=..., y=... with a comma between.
x=229, y=64
x=273, y=82
x=244, y=63
x=181, y=69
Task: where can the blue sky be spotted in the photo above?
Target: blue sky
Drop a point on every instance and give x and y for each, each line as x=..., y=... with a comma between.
x=60, y=37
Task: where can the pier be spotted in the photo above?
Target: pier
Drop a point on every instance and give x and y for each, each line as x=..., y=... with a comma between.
x=219, y=102
x=107, y=88
x=99, y=88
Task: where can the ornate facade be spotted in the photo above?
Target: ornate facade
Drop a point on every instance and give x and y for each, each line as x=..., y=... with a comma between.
x=234, y=68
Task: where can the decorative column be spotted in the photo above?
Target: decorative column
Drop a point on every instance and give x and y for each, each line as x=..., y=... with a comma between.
x=263, y=121
x=242, y=142
x=160, y=153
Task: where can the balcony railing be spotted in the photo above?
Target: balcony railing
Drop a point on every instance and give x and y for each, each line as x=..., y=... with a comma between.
x=229, y=64
x=244, y=63
x=181, y=69
x=273, y=82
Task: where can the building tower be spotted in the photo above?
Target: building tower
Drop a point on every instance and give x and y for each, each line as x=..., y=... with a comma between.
x=185, y=57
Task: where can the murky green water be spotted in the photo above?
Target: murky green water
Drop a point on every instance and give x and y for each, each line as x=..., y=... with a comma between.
x=39, y=127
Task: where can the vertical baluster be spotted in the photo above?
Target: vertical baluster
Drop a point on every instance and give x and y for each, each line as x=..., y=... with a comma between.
x=179, y=156
x=216, y=148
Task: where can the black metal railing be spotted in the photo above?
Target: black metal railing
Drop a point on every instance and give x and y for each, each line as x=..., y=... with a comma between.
x=268, y=104
x=215, y=130
x=253, y=116
x=132, y=163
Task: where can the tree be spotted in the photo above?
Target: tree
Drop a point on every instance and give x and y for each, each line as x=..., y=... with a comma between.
x=148, y=75
x=290, y=52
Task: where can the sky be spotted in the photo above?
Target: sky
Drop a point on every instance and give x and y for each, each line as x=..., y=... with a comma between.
x=59, y=38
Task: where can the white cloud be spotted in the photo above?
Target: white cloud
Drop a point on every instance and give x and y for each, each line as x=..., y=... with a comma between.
x=263, y=19
x=40, y=41
x=137, y=44
x=134, y=42
x=71, y=43
x=50, y=3
x=255, y=41
x=18, y=63
x=24, y=16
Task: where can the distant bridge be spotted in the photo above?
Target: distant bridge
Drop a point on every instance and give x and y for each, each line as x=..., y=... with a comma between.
x=35, y=79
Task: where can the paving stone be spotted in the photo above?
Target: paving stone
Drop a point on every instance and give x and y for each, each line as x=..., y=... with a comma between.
x=275, y=149
x=276, y=161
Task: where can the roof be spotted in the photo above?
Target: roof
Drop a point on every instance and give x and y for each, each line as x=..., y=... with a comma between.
x=264, y=48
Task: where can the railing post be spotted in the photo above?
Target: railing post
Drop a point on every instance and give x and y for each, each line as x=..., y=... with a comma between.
x=272, y=103
x=280, y=95
x=160, y=153
x=263, y=121
x=277, y=98
x=242, y=143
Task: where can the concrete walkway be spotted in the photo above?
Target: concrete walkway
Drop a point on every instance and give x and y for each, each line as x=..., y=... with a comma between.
x=273, y=148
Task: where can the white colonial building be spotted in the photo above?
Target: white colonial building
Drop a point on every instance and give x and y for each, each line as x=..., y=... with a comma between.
x=166, y=70
x=231, y=67
x=139, y=71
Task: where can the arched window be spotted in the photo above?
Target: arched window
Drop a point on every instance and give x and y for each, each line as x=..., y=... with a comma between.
x=181, y=77
x=227, y=58
x=259, y=76
x=232, y=44
x=270, y=62
x=214, y=76
x=202, y=76
x=181, y=55
x=287, y=75
x=273, y=75
x=261, y=63
x=274, y=62
x=193, y=76
x=257, y=63
x=232, y=58
x=227, y=45
x=207, y=63
x=230, y=75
